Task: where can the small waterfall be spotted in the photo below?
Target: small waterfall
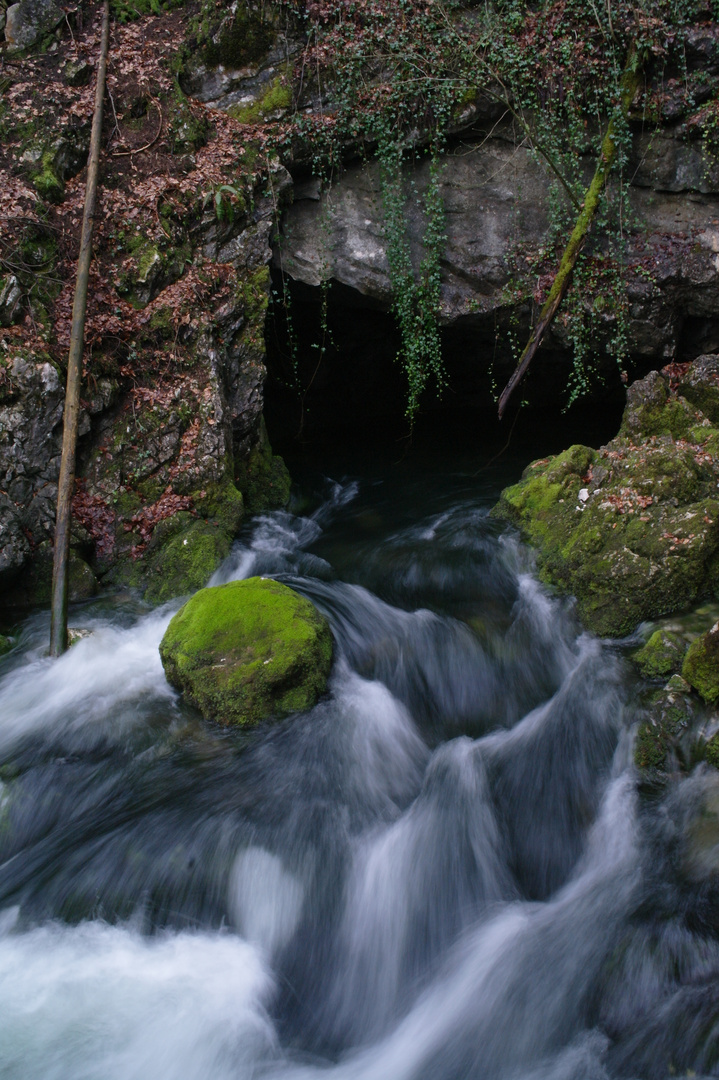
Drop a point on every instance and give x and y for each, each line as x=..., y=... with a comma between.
x=441, y=872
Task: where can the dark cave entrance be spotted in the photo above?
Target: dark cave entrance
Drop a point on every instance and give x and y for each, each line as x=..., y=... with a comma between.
x=334, y=381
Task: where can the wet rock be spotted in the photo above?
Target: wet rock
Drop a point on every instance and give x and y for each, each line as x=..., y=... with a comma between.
x=662, y=655
x=183, y=557
x=29, y=20
x=247, y=651
x=699, y=830
x=669, y=713
x=6, y=644
x=646, y=540
x=34, y=587
x=30, y=435
x=263, y=478
x=701, y=664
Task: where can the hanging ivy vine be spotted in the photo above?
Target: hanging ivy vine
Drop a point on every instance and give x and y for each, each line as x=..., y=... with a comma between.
x=387, y=78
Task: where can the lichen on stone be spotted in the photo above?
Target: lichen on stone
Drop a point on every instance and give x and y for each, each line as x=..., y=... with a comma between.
x=247, y=651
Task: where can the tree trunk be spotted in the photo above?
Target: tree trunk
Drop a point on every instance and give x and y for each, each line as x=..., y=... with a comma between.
x=631, y=79
x=66, y=481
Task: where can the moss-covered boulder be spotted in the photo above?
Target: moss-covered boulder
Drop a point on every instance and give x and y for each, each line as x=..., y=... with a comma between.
x=247, y=651
x=662, y=655
x=631, y=529
x=701, y=664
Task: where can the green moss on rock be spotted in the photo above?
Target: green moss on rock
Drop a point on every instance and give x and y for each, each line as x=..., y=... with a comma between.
x=223, y=503
x=630, y=529
x=247, y=651
x=662, y=655
x=6, y=644
x=185, y=559
x=244, y=39
x=701, y=664
x=669, y=713
x=711, y=751
x=275, y=100
x=48, y=184
x=263, y=478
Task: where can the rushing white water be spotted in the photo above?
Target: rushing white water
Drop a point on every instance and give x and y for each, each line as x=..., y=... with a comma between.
x=441, y=872
x=98, y=1002
x=96, y=689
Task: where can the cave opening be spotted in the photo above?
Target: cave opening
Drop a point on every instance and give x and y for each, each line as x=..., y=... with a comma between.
x=334, y=384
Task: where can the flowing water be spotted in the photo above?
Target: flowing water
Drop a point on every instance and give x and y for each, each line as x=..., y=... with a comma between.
x=445, y=870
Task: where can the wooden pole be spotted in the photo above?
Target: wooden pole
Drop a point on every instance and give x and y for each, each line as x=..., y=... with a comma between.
x=631, y=79
x=66, y=481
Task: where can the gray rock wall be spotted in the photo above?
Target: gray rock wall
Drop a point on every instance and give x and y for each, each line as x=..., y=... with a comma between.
x=496, y=197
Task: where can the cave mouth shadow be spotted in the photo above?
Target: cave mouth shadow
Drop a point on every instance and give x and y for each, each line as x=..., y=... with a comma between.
x=334, y=382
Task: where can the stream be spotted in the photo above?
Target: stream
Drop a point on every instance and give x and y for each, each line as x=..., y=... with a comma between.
x=446, y=870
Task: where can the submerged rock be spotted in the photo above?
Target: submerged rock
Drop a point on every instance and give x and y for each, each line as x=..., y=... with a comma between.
x=632, y=529
x=247, y=651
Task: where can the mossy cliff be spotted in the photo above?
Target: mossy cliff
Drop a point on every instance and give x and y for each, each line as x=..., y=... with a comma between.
x=172, y=450
x=247, y=651
x=631, y=529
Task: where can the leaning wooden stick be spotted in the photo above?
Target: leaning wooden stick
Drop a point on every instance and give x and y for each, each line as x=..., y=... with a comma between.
x=631, y=79
x=66, y=481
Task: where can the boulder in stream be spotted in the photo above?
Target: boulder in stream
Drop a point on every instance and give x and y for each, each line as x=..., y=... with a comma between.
x=662, y=655
x=247, y=651
x=631, y=529
x=701, y=664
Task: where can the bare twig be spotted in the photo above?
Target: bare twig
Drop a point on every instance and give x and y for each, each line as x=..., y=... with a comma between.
x=140, y=149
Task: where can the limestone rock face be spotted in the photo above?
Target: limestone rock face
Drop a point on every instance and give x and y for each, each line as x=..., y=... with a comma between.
x=10, y=297
x=247, y=651
x=496, y=194
x=632, y=529
x=156, y=503
x=31, y=401
x=29, y=20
